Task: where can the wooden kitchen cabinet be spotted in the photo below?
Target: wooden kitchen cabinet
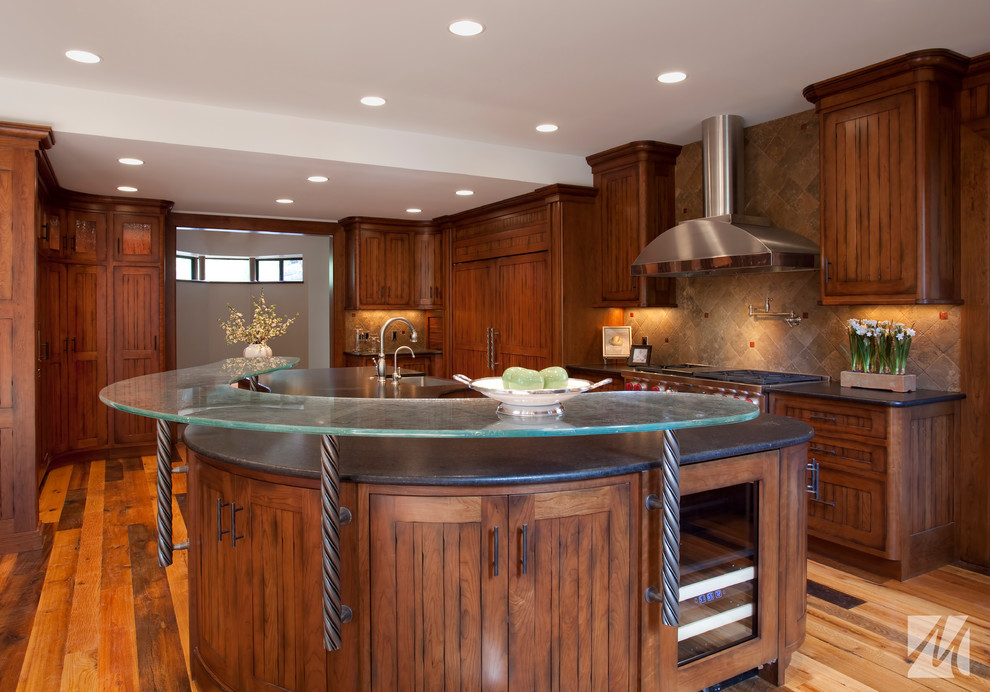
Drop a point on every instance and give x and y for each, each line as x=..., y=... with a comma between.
x=383, y=268
x=254, y=580
x=889, y=137
x=500, y=310
x=636, y=192
x=136, y=347
x=884, y=498
x=428, y=269
x=137, y=238
x=86, y=240
x=462, y=588
x=84, y=343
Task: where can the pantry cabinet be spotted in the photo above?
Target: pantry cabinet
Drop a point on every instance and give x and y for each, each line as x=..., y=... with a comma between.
x=100, y=319
x=428, y=269
x=881, y=481
x=889, y=137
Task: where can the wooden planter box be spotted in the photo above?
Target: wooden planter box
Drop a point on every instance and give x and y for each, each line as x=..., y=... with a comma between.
x=875, y=380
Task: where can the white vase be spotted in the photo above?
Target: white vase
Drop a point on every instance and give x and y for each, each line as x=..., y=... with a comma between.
x=257, y=351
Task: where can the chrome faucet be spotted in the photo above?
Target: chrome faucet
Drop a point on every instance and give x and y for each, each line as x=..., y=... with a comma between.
x=380, y=366
x=395, y=365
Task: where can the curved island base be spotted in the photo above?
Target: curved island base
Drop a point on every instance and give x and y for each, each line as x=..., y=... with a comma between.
x=502, y=564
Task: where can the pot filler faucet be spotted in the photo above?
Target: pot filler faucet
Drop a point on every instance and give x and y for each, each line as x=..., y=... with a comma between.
x=380, y=363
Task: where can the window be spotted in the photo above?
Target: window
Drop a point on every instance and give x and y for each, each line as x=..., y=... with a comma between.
x=189, y=267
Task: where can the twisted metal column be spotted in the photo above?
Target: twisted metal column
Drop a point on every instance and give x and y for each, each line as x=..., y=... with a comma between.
x=670, y=566
x=164, y=484
x=330, y=502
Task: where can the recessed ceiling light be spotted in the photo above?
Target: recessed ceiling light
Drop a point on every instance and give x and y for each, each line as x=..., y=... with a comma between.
x=284, y=200
x=672, y=77
x=82, y=56
x=126, y=188
x=546, y=127
x=317, y=178
x=127, y=161
x=466, y=27
x=413, y=210
x=465, y=193
x=373, y=101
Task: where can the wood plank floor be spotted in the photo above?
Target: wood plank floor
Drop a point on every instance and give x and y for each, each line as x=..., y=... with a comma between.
x=92, y=610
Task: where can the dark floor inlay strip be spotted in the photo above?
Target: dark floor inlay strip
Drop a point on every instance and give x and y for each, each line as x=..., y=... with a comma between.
x=827, y=593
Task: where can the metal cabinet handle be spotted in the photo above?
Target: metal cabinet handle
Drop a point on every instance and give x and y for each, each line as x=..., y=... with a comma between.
x=827, y=273
x=73, y=344
x=827, y=419
x=825, y=450
x=495, y=551
x=525, y=547
x=234, y=509
x=814, y=485
x=495, y=336
x=220, y=532
x=45, y=237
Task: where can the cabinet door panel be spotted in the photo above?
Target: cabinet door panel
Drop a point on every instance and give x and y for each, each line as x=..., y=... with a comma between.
x=578, y=559
x=868, y=201
x=136, y=341
x=87, y=240
x=850, y=509
x=472, y=314
x=438, y=609
x=218, y=608
x=524, y=324
x=52, y=421
x=282, y=544
x=620, y=234
x=85, y=348
x=396, y=273
x=137, y=238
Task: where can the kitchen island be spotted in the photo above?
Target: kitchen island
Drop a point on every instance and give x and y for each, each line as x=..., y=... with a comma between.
x=518, y=556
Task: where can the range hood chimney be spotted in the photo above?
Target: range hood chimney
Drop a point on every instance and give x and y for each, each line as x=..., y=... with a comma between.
x=725, y=241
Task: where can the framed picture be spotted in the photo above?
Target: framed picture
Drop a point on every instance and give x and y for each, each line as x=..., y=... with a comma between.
x=640, y=355
x=616, y=342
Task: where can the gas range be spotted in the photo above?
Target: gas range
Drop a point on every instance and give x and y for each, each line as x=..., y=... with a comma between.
x=750, y=385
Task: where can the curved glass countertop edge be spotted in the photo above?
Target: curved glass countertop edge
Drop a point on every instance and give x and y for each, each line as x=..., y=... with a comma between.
x=203, y=396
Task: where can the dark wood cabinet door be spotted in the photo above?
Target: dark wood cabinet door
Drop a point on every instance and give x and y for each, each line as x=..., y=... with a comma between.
x=220, y=603
x=869, y=199
x=572, y=549
x=281, y=560
x=472, y=318
x=86, y=236
x=137, y=238
x=52, y=421
x=397, y=271
x=136, y=341
x=371, y=268
x=523, y=324
x=849, y=509
x=620, y=235
x=438, y=592
x=85, y=349
x=427, y=269
x=51, y=232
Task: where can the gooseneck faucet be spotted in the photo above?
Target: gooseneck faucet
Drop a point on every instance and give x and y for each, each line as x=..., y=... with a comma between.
x=395, y=364
x=380, y=367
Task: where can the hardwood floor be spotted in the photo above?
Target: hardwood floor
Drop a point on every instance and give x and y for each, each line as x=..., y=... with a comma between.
x=92, y=610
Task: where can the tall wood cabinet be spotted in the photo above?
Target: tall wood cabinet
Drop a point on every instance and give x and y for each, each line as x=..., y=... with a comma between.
x=636, y=192
x=100, y=319
x=889, y=138
x=519, y=277
x=20, y=147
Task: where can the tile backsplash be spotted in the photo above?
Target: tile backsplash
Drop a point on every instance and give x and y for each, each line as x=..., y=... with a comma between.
x=712, y=322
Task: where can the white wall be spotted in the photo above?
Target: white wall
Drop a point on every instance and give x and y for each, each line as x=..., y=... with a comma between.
x=198, y=305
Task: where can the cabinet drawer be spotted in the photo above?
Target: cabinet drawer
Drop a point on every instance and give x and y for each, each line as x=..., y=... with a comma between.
x=850, y=509
x=834, y=418
x=848, y=453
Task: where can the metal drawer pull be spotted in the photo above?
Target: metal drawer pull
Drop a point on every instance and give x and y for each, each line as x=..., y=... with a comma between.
x=234, y=509
x=495, y=556
x=220, y=532
x=825, y=450
x=525, y=546
x=827, y=419
x=814, y=487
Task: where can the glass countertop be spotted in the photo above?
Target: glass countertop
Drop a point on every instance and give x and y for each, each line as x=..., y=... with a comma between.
x=202, y=395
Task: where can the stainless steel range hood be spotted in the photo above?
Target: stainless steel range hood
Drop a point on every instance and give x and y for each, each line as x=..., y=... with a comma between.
x=724, y=242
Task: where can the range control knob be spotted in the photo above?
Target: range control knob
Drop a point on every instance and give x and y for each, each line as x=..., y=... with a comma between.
x=656, y=388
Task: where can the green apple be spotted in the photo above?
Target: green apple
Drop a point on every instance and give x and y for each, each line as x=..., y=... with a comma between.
x=554, y=377
x=521, y=378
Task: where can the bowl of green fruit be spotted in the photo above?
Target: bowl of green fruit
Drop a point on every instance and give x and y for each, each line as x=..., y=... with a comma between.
x=525, y=392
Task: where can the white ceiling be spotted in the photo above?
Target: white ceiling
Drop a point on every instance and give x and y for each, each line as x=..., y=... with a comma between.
x=233, y=103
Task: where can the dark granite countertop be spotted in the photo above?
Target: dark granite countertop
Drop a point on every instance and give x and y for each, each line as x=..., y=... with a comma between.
x=390, y=351
x=611, y=370
x=832, y=390
x=421, y=461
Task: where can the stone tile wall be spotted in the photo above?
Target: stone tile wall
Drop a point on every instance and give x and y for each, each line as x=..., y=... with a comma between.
x=712, y=322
